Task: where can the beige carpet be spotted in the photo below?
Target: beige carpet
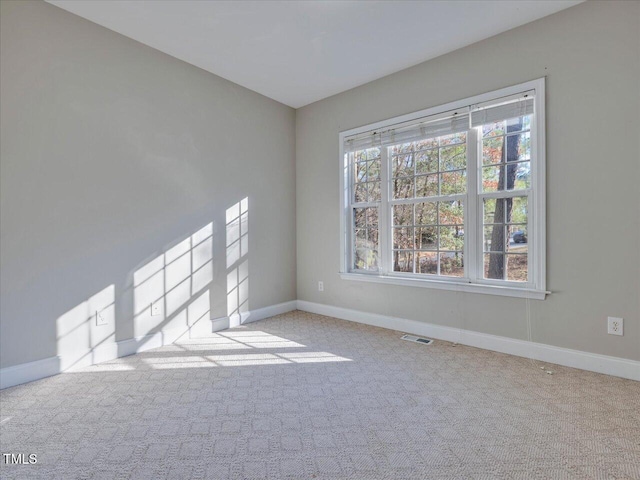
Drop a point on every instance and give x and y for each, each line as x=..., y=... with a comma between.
x=303, y=396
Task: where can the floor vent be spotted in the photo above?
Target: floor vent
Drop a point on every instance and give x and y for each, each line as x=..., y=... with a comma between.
x=413, y=338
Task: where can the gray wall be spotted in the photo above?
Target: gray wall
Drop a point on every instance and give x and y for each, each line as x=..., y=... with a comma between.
x=590, y=55
x=112, y=154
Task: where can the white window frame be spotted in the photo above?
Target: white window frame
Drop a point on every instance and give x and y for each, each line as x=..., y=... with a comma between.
x=535, y=287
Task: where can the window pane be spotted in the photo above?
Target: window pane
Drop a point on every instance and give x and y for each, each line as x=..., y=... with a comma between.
x=402, y=261
x=359, y=217
x=451, y=238
x=403, y=214
x=427, y=213
x=403, y=188
x=365, y=217
x=366, y=169
x=493, y=129
x=506, y=155
x=519, y=147
x=367, y=154
x=360, y=171
x=373, y=170
x=373, y=189
x=427, y=186
x=451, y=213
x=494, y=238
x=372, y=216
x=372, y=238
x=518, y=240
x=452, y=183
x=434, y=244
x=505, y=241
x=505, y=210
x=426, y=143
x=371, y=153
x=453, y=138
x=360, y=193
x=403, y=166
x=427, y=262
x=365, y=238
x=494, y=210
x=365, y=259
x=516, y=124
x=494, y=266
x=402, y=148
x=492, y=179
x=427, y=161
x=453, y=158
x=403, y=238
x=518, y=176
x=516, y=209
x=517, y=267
x=451, y=264
x=489, y=210
x=426, y=238
x=492, y=150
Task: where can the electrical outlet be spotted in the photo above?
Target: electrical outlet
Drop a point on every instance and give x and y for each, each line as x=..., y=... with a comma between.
x=155, y=309
x=321, y=286
x=615, y=326
x=101, y=319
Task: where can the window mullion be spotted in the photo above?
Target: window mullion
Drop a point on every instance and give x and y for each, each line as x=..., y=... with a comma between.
x=351, y=226
x=505, y=194
x=472, y=211
x=384, y=226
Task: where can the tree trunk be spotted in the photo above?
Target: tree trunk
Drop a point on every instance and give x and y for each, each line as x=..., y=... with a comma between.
x=499, y=239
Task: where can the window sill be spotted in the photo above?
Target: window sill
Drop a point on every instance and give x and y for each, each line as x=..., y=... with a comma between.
x=449, y=285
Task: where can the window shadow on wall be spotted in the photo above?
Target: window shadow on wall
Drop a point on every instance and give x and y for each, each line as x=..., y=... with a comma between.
x=171, y=293
x=168, y=297
x=85, y=333
x=237, y=262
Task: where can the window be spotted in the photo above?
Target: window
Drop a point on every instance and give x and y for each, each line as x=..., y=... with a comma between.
x=449, y=197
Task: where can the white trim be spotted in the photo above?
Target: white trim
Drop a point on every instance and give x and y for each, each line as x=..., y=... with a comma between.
x=535, y=287
x=222, y=323
x=101, y=353
x=270, y=311
x=443, y=284
x=619, y=367
x=385, y=214
x=538, y=194
x=29, y=372
x=472, y=215
x=465, y=102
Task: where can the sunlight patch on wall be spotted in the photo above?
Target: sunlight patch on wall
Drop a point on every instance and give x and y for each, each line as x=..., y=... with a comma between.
x=237, y=249
x=84, y=328
x=170, y=291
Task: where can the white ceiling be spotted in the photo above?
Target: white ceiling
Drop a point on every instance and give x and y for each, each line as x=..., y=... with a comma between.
x=297, y=52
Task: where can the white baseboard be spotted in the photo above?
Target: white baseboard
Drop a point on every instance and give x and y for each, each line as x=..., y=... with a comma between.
x=270, y=311
x=238, y=319
x=28, y=372
x=101, y=353
x=619, y=367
